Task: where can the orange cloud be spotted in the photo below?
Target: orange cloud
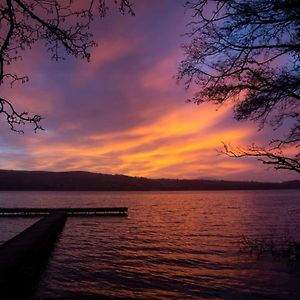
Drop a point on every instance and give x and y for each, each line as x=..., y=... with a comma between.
x=175, y=145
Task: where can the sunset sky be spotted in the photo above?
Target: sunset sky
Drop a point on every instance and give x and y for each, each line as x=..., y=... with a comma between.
x=124, y=113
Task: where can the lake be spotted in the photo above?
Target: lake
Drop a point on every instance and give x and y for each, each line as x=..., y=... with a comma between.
x=172, y=245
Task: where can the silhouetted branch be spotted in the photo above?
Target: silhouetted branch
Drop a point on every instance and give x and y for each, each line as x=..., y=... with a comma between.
x=247, y=52
x=273, y=156
x=63, y=25
x=14, y=118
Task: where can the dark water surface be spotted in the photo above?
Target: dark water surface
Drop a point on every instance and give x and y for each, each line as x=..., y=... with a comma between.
x=173, y=245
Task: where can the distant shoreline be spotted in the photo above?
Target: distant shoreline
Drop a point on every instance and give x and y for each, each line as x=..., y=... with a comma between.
x=85, y=181
x=211, y=190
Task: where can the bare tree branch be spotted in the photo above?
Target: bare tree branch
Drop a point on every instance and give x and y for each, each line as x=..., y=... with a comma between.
x=247, y=52
x=14, y=118
x=266, y=156
x=63, y=26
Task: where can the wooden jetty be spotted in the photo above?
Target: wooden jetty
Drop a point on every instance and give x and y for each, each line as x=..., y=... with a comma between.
x=70, y=211
x=24, y=257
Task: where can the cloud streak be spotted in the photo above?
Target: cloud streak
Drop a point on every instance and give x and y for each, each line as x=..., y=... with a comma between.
x=123, y=112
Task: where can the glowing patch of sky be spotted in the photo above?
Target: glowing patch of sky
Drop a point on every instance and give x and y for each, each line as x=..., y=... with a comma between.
x=123, y=112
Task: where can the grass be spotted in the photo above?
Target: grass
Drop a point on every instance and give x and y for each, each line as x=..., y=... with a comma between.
x=283, y=247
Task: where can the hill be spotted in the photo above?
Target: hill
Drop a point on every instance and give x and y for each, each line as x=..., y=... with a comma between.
x=86, y=181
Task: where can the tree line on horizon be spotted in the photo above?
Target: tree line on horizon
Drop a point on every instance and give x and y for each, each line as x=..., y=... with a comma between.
x=86, y=181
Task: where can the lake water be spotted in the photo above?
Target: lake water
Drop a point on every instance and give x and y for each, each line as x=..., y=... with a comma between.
x=173, y=245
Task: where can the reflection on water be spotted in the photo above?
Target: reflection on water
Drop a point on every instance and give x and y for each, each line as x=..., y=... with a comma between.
x=180, y=245
x=9, y=227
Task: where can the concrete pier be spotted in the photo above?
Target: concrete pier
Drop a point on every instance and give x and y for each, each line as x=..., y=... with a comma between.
x=24, y=257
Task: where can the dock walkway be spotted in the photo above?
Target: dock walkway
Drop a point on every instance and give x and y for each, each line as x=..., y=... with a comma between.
x=70, y=211
x=23, y=258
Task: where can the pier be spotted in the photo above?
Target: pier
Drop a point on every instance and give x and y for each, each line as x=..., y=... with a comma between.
x=69, y=211
x=24, y=257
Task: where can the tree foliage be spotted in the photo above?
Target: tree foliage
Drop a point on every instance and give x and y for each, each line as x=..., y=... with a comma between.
x=248, y=52
x=63, y=26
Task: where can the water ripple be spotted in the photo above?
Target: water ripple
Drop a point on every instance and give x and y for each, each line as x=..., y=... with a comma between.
x=178, y=245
